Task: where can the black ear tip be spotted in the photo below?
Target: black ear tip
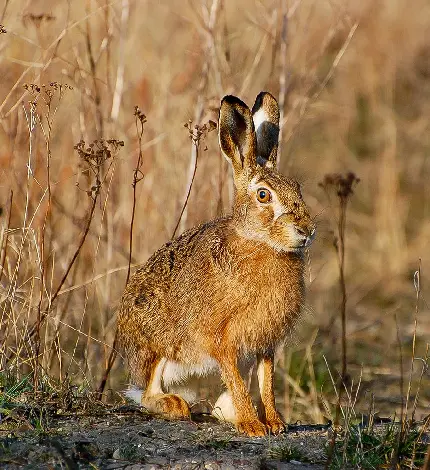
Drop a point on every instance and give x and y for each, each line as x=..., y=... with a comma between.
x=261, y=97
x=266, y=93
x=258, y=102
x=233, y=101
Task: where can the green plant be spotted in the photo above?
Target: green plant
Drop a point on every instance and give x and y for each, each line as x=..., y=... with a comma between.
x=286, y=453
x=11, y=390
x=373, y=447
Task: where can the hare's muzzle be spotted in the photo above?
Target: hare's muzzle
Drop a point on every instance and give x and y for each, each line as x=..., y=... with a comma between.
x=305, y=233
x=294, y=232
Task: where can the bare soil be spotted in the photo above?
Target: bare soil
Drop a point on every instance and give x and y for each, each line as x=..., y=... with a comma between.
x=126, y=438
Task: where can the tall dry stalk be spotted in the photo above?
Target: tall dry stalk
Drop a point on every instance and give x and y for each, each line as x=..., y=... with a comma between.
x=342, y=187
x=94, y=156
x=210, y=16
x=197, y=135
x=140, y=120
x=4, y=240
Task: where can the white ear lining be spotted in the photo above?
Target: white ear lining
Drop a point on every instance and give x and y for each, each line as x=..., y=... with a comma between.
x=259, y=117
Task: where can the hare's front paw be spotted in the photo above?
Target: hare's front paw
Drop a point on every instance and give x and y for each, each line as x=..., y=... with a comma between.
x=275, y=425
x=253, y=428
x=169, y=405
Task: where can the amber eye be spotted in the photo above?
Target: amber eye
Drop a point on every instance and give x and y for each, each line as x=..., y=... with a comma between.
x=263, y=195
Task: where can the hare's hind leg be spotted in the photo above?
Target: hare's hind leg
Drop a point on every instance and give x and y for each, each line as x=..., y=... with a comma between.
x=155, y=400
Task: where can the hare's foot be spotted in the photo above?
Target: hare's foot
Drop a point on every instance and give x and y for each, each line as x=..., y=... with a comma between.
x=170, y=406
x=275, y=425
x=253, y=428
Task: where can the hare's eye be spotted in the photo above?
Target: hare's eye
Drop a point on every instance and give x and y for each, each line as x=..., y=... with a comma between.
x=263, y=195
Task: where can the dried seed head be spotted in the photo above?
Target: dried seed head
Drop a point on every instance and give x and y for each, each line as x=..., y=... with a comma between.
x=94, y=155
x=139, y=115
x=198, y=133
x=37, y=20
x=342, y=184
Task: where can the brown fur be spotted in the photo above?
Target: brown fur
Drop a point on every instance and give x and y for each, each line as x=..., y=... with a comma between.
x=229, y=288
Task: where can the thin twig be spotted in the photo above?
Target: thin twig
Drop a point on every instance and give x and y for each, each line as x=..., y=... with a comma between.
x=32, y=330
x=211, y=16
x=6, y=234
x=395, y=457
x=140, y=120
x=197, y=135
x=342, y=186
x=417, y=279
x=119, y=83
x=308, y=99
x=283, y=75
x=93, y=67
x=194, y=160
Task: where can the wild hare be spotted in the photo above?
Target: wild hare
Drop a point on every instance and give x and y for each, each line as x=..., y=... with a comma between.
x=228, y=289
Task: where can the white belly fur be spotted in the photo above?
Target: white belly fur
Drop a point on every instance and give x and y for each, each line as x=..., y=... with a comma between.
x=176, y=372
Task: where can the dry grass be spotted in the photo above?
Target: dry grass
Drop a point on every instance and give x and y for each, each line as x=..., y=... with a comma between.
x=355, y=83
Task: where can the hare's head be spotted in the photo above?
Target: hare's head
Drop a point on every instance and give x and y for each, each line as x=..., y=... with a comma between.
x=268, y=206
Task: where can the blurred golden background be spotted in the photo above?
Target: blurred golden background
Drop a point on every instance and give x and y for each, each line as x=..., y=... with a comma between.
x=353, y=80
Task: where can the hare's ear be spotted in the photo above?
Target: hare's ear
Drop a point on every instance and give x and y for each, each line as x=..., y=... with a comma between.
x=236, y=133
x=265, y=114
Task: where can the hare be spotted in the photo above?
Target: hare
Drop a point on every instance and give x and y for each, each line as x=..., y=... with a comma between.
x=229, y=289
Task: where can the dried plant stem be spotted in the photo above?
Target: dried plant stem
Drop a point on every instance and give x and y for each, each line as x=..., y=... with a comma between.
x=140, y=120
x=342, y=284
x=6, y=3
x=93, y=67
x=31, y=124
x=286, y=13
x=78, y=249
x=109, y=365
x=395, y=456
x=119, y=83
x=3, y=251
x=3, y=246
x=259, y=55
x=283, y=74
x=210, y=22
x=53, y=297
x=424, y=369
x=343, y=188
x=76, y=221
x=47, y=134
x=194, y=160
x=417, y=279
x=311, y=98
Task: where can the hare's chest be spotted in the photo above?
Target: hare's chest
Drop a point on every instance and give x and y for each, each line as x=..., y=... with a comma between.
x=266, y=317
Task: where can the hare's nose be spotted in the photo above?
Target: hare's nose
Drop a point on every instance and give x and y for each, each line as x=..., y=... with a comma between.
x=300, y=231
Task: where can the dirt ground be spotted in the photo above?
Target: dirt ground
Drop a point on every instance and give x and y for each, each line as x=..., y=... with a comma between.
x=124, y=438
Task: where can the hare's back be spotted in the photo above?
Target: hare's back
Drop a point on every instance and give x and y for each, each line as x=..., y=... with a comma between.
x=150, y=306
x=149, y=287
